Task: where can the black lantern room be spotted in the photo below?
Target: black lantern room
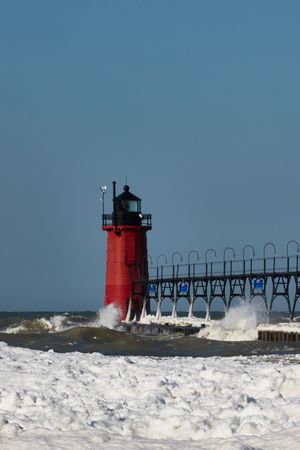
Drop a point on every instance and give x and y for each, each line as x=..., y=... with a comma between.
x=127, y=210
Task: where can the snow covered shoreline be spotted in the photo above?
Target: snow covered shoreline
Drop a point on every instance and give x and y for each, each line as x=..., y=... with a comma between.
x=88, y=401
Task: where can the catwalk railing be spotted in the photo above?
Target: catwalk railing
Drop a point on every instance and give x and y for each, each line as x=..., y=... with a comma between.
x=108, y=220
x=281, y=264
x=264, y=279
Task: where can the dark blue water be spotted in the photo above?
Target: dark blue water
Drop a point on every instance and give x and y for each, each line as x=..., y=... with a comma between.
x=79, y=331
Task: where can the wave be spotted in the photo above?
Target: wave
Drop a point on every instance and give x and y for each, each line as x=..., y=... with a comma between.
x=239, y=324
x=55, y=323
x=108, y=317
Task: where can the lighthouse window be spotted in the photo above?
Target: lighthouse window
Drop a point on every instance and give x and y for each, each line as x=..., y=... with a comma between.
x=131, y=205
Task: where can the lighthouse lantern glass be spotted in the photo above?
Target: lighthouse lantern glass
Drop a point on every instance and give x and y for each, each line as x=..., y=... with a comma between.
x=131, y=205
x=134, y=206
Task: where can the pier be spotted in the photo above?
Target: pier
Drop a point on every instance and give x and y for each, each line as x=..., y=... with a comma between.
x=155, y=329
x=275, y=335
x=264, y=279
x=134, y=286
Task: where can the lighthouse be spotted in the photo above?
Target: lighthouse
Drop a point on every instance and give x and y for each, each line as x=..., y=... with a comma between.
x=127, y=257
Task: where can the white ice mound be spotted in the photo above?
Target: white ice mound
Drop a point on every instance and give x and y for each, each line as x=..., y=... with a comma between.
x=239, y=324
x=86, y=401
x=108, y=317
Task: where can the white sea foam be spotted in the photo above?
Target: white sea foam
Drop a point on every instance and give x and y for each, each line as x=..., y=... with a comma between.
x=14, y=330
x=242, y=317
x=55, y=323
x=84, y=401
x=239, y=324
x=108, y=317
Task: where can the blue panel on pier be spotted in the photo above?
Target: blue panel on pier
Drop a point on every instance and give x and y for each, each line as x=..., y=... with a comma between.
x=152, y=288
x=183, y=288
x=258, y=284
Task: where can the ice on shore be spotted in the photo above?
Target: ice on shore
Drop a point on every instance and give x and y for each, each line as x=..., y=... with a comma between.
x=290, y=327
x=90, y=401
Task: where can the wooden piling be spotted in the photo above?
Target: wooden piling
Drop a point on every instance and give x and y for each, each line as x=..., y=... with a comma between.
x=278, y=336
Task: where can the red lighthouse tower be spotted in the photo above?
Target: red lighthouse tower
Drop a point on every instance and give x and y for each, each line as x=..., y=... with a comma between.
x=127, y=259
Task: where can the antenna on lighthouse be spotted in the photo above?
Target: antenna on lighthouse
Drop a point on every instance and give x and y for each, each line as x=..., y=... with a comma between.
x=103, y=189
x=114, y=205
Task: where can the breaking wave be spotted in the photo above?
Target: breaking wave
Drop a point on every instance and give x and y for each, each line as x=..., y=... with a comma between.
x=239, y=324
x=88, y=332
x=55, y=323
x=108, y=317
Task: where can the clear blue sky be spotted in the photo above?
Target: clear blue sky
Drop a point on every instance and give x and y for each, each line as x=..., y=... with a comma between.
x=196, y=102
